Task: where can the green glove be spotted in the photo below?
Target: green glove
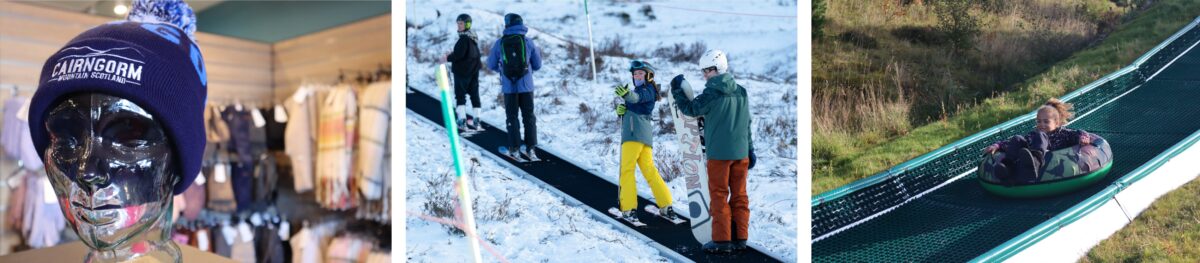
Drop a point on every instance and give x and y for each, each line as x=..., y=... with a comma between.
x=620, y=110
x=622, y=90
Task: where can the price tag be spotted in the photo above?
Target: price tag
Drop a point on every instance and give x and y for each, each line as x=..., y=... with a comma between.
x=229, y=233
x=259, y=121
x=200, y=180
x=48, y=192
x=283, y=230
x=202, y=240
x=245, y=232
x=300, y=95
x=23, y=112
x=280, y=114
x=219, y=173
x=256, y=219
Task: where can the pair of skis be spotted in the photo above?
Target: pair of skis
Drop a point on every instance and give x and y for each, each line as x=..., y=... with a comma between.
x=519, y=157
x=467, y=131
x=649, y=209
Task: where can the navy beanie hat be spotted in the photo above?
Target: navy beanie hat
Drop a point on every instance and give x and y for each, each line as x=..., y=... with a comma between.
x=155, y=65
x=512, y=20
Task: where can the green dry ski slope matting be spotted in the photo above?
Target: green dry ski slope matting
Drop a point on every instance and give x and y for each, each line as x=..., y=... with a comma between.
x=933, y=209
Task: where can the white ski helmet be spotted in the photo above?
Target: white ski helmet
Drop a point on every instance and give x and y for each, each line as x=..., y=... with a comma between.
x=714, y=58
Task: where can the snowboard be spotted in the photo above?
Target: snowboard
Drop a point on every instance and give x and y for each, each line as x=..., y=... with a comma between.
x=617, y=213
x=689, y=132
x=654, y=210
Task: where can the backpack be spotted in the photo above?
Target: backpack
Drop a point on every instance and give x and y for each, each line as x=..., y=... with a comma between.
x=513, y=61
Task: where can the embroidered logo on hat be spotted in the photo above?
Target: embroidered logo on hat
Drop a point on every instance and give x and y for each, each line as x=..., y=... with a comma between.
x=122, y=65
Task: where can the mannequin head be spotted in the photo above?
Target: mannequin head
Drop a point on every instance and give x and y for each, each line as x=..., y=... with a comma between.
x=118, y=120
x=113, y=170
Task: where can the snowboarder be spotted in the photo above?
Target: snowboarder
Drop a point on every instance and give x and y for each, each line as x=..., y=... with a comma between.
x=465, y=65
x=516, y=58
x=730, y=149
x=637, y=140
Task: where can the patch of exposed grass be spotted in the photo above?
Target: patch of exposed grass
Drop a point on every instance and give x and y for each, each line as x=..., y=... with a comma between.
x=1168, y=231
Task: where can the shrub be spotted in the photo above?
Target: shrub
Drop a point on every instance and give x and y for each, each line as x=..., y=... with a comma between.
x=680, y=52
x=956, y=23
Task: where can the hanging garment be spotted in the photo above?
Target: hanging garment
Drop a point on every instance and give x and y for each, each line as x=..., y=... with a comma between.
x=44, y=221
x=240, y=123
x=300, y=135
x=216, y=130
x=265, y=179
x=243, y=185
x=306, y=247
x=220, y=185
x=374, y=121
x=194, y=197
x=335, y=144
x=15, y=137
x=258, y=134
x=216, y=134
x=268, y=245
x=10, y=134
x=275, y=127
x=379, y=257
x=242, y=155
x=222, y=238
x=242, y=249
x=344, y=249
x=16, y=204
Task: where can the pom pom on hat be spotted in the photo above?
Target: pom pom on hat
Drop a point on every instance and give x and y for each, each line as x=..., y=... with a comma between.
x=172, y=12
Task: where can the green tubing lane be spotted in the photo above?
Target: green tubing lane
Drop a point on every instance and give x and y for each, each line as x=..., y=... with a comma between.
x=1046, y=189
x=961, y=221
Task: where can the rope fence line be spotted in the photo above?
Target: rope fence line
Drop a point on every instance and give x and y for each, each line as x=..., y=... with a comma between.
x=720, y=12
x=461, y=226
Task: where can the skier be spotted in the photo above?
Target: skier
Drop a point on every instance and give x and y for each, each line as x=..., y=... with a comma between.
x=637, y=139
x=515, y=58
x=465, y=65
x=729, y=149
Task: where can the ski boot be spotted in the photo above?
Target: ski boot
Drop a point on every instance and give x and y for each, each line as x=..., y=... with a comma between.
x=718, y=247
x=631, y=217
x=529, y=154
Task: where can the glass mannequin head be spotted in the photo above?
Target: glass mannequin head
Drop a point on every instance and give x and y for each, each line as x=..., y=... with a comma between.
x=113, y=169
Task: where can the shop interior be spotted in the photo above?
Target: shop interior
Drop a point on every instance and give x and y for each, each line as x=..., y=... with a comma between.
x=272, y=67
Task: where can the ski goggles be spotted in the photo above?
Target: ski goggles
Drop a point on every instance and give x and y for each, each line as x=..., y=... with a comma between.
x=638, y=64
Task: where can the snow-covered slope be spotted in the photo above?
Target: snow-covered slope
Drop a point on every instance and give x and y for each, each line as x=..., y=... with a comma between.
x=521, y=221
x=575, y=115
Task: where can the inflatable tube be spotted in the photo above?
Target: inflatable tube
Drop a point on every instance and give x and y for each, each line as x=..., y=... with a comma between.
x=1065, y=170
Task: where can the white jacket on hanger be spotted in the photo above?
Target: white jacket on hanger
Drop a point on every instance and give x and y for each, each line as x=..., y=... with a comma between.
x=300, y=137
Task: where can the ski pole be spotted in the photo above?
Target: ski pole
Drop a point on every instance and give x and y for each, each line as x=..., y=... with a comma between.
x=464, y=186
x=591, y=46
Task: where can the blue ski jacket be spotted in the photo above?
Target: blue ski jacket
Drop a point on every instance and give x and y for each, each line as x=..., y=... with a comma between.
x=524, y=84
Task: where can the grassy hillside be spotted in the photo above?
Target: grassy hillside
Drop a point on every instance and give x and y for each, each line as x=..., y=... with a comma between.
x=863, y=127
x=1168, y=231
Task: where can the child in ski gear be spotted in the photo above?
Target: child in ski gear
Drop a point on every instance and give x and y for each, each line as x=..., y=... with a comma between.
x=1024, y=155
x=516, y=58
x=725, y=110
x=637, y=140
x=465, y=65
